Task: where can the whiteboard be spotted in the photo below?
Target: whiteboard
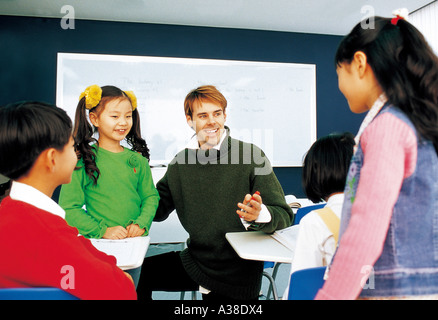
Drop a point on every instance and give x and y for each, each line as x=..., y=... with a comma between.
x=272, y=105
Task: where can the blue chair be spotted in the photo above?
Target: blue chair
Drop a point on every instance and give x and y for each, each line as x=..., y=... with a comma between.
x=301, y=212
x=304, y=284
x=40, y=293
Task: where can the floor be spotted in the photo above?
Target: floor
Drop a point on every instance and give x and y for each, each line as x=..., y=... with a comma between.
x=281, y=279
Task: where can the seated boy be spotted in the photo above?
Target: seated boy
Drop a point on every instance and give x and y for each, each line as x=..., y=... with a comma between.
x=38, y=248
x=325, y=170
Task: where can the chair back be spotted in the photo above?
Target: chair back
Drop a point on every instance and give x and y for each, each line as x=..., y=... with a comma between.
x=301, y=212
x=35, y=294
x=305, y=283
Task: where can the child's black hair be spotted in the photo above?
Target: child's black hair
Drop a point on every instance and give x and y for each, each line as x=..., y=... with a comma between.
x=326, y=166
x=28, y=128
x=405, y=67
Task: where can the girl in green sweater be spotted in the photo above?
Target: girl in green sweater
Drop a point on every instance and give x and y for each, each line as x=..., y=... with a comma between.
x=112, y=194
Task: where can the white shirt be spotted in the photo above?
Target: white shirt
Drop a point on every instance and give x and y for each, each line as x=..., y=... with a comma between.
x=25, y=193
x=315, y=244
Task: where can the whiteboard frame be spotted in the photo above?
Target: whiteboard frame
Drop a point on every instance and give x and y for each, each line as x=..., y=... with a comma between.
x=62, y=56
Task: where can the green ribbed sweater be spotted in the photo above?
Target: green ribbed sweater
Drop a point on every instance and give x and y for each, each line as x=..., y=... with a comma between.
x=124, y=194
x=204, y=188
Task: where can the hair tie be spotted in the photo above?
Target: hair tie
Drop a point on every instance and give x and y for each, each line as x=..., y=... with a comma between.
x=133, y=99
x=93, y=95
x=400, y=14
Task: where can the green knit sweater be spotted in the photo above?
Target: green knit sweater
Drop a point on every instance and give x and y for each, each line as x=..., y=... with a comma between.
x=124, y=194
x=204, y=187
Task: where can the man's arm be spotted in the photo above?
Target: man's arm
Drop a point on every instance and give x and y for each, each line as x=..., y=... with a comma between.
x=166, y=204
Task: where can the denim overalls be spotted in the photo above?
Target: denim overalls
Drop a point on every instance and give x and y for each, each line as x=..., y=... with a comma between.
x=408, y=264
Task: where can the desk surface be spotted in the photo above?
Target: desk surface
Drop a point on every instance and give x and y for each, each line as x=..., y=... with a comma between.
x=257, y=245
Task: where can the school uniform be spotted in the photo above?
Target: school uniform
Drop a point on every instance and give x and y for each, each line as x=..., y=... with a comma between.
x=39, y=249
x=316, y=242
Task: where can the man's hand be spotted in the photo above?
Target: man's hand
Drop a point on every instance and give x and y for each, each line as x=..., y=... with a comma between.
x=251, y=207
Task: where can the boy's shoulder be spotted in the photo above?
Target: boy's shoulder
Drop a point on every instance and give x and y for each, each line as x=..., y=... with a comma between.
x=27, y=216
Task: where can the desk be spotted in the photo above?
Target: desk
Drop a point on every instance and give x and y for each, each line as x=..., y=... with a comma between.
x=257, y=245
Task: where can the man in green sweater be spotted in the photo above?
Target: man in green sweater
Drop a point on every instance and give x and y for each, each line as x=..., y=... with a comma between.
x=209, y=183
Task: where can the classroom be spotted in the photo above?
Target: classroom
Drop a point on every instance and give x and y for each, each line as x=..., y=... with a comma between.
x=42, y=40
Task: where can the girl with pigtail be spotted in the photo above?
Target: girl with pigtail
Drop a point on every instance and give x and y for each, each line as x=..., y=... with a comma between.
x=83, y=130
x=389, y=228
x=112, y=194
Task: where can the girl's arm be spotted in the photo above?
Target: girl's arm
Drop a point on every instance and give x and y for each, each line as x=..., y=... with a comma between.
x=390, y=153
x=150, y=199
x=72, y=200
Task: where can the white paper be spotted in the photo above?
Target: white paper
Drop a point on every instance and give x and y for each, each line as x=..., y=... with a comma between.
x=287, y=237
x=128, y=252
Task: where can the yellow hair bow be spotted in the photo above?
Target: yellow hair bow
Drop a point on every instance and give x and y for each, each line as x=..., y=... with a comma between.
x=133, y=99
x=92, y=95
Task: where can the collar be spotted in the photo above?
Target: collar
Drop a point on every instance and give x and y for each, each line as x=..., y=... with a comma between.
x=194, y=144
x=25, y=193
x=372, y=113
x=335, y=199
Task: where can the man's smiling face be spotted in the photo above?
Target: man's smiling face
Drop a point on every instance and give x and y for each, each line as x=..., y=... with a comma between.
x=208, y=121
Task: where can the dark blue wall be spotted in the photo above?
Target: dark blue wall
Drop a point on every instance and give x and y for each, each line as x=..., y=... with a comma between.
x=28, y=49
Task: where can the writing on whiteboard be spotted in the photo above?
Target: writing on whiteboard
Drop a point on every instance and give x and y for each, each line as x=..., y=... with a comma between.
x=272, y=105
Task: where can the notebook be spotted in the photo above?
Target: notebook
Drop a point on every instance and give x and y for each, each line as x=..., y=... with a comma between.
x=128, y=252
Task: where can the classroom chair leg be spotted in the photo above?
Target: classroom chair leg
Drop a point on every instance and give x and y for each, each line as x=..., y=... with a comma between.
x=272, y=284
x=274, y=275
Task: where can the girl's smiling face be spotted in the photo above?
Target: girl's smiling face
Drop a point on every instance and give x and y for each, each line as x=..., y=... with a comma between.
x=114, y=122
x=358, y=83
x=350, y=87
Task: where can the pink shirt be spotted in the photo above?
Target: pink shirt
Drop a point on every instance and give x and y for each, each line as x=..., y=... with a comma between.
x=390, y=154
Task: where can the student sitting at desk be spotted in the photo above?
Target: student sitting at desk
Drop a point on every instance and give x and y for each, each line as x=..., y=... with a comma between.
x=38, y=248
x=205, y=183
x=325, y=170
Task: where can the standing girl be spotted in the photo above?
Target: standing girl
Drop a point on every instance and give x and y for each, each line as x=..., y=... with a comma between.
x=389, y=228
x=114, y=183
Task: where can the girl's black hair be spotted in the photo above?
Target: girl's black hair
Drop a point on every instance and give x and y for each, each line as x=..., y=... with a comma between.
x=83, y=131
x=28, y=128
x=326, y=165
x=405, y=67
